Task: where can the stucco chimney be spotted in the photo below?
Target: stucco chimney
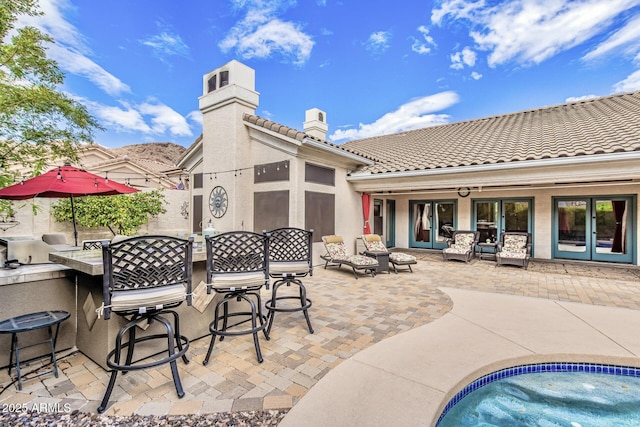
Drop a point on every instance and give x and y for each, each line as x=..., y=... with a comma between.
x=315, y=123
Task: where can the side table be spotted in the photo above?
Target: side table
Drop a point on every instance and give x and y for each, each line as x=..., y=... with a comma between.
x=32, y=322
x=487, y=250
x=382, y=258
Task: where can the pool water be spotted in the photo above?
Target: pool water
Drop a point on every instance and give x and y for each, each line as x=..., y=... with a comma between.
x=546, y=399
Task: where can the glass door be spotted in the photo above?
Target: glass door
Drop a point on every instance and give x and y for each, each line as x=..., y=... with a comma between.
x=431, y=223
x=594, y=228
x=391, y=224
x=494, y=217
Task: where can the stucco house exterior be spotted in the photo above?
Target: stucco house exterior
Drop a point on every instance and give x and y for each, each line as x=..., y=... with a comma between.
x=568, y=174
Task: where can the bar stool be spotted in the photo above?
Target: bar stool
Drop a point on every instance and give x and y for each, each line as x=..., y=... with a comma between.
x=237, y=268
x=290, y=258
x=144, y=277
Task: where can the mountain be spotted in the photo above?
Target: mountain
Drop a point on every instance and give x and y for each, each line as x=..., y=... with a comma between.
x=162, y=152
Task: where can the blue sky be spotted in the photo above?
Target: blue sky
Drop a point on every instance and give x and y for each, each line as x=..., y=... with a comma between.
x=375, y=67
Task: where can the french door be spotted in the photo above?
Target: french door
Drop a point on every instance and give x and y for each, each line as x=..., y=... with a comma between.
x=594, y=228
x=494, y=217
x=431, y=223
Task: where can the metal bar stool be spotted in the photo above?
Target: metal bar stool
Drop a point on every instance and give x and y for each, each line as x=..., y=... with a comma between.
x=237, y=268
x=32, y=322
x=144, y=277
x=290, y=258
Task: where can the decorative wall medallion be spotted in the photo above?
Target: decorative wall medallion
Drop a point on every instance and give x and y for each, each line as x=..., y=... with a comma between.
x=218, y=202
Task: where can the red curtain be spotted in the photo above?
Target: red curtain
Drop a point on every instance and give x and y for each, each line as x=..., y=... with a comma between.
x=366, y=207
x=619, y=207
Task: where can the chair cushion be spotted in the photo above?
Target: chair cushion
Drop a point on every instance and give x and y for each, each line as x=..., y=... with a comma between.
x=514, y=242
x=362, y=261
x=399, y=257
x=234, y=281
x=288, y=267
x=54, y=239
x=337, y=250
x=513, y=253
x=376, y=246
x=150, y=297
x=456, y=249
x=463, y=239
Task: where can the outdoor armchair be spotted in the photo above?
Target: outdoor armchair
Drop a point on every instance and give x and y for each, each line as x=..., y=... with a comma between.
x=337, y=255
x=373, y=243
x=514, y=248
x=461, y=246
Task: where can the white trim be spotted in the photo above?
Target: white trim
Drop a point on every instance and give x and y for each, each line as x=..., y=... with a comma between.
x=564, y=161
x=337, y=151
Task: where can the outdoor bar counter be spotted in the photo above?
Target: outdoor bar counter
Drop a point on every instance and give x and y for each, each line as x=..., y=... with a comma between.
x=95, y=337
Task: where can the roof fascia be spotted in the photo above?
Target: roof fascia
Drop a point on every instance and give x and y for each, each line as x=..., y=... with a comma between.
x=564, y=161
x=336, y=151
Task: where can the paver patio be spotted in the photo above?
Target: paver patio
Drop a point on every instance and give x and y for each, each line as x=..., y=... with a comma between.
x=348, y=316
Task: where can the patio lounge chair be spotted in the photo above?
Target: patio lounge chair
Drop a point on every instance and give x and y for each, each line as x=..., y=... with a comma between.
x=373, y=243
x=462, y=245
x=337, y=255
x=514, y=249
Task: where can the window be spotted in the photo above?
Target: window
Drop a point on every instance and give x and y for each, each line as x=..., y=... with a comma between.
x=271, y=210
x=197, y=180
x=319, y=174
x=212, y=83
x=320, y=214
x=224, y=78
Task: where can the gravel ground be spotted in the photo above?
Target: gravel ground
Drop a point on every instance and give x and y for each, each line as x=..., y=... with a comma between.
x=223, y=419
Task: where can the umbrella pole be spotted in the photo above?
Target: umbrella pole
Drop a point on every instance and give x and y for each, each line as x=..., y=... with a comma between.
x=73, y=216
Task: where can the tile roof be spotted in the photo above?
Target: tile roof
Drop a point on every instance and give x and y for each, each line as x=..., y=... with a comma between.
x=298, y=135
x=596, y=126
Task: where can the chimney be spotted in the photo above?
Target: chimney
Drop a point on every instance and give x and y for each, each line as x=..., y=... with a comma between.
x=315, y=123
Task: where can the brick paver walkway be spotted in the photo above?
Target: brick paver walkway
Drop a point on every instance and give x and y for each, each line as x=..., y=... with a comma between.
x=348, y=315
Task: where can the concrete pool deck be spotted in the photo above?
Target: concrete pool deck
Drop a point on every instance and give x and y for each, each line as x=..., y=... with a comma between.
x=407, y=379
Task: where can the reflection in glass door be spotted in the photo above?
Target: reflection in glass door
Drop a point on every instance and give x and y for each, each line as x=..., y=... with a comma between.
x=493, y=217
x=431, y=223
x=391, y=224
x=598, y=229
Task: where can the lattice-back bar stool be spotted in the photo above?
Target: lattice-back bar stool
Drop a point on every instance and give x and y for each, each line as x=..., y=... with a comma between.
x=237, y=268
x=290, y=258
x=144, y=277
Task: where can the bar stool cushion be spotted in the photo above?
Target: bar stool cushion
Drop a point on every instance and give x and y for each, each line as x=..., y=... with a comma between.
x=228, y=282
x=288, y=267
x=136, y=299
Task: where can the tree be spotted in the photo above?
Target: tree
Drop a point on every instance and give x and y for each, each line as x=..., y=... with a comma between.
x=38, y=122
x=122, y=214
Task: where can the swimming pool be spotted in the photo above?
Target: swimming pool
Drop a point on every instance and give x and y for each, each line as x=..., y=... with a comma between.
x=549, y=394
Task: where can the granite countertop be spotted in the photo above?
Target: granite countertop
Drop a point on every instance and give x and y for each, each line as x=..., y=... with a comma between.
x=33, y=272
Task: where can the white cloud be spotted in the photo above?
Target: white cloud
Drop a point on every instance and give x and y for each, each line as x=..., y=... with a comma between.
x=70, y=50
x=415, y=114
x=628, y=36
x=378, y=42
x=150, y=118
x=75, y=63
x=423, y=46
x=166, y=44
x=629, y=84
x=580, y=98
x=260, y=35
x=475, y=75
x=465, y=57
x=529, y=32
x=165, y=120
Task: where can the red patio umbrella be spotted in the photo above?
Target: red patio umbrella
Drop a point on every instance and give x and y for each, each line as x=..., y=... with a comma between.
x=366, y=207
x=65, y=181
